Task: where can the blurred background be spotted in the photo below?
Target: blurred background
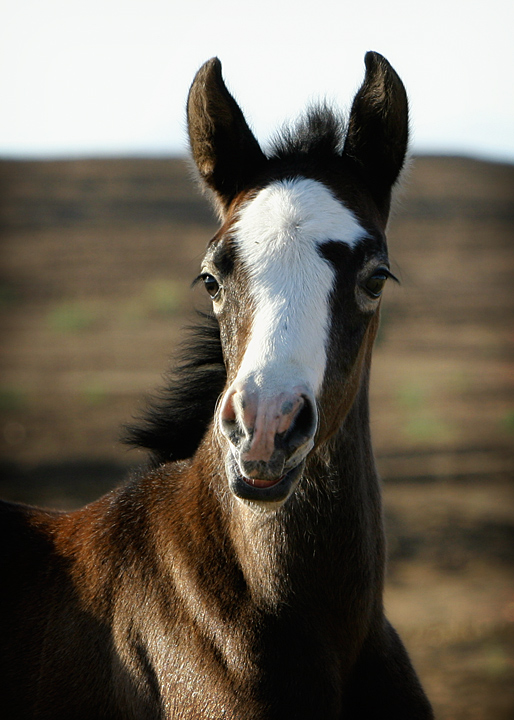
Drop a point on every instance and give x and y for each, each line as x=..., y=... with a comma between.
x=102, y=231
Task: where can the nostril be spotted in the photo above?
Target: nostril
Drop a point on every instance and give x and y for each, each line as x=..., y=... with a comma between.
x=231, y=430
x=228, y=419
x=304, y=425
x=236, y=418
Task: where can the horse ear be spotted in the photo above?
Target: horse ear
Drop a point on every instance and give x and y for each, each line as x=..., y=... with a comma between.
x=378, y=128
x=224, y=148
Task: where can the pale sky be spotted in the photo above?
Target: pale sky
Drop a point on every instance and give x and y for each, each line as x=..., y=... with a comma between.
x=110, y=77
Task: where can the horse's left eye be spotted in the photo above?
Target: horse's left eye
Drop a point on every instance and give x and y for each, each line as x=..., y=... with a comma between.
x=375, y=283
x=211, y=285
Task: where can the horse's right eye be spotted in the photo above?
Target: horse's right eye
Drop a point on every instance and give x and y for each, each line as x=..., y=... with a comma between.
x=211, y=285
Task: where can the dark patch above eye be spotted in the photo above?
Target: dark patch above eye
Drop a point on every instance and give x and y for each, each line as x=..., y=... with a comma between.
x=350, y=263
x=335, y=252
x=223, y=259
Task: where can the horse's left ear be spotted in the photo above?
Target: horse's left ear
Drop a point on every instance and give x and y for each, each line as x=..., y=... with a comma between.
x=378, y=128
x=224, y=148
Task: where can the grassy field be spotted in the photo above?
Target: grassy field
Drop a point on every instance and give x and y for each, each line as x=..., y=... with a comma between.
x=97, y=261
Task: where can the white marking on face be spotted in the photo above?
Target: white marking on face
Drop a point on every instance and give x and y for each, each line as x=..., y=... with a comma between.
x=278, y=235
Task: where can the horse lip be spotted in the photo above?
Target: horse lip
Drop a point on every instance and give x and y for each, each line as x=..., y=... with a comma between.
x=258, y=483
x=268, y=492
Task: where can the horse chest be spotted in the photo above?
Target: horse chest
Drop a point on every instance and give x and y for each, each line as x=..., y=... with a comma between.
x=284, y=667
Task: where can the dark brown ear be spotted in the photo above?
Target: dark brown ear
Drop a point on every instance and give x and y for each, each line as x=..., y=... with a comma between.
x=378, y=128
x=224, y=149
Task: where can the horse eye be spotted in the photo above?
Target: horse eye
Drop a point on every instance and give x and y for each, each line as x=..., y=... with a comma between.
x=211, y=285
x=375, y=284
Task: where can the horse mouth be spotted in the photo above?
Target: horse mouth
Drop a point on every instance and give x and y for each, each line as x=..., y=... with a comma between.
x=259, y=483
x=272, y=492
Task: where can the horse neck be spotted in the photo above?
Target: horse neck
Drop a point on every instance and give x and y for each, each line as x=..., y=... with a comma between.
x=334, y=514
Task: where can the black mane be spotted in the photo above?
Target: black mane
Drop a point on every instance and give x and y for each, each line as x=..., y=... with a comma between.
x=175, y=421
x=320, y=131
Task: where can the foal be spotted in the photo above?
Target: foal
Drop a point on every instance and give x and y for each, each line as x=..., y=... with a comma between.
x=242, y=576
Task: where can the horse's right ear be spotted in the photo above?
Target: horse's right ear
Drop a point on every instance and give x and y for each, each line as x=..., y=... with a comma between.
x=224, y=149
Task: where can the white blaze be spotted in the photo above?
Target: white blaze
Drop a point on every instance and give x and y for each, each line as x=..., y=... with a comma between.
x=278, y=235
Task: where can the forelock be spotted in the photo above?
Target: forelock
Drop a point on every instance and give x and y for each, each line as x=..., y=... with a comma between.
x=320, y=131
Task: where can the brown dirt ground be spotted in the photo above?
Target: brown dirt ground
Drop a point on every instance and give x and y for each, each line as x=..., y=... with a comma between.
x=96, y=262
